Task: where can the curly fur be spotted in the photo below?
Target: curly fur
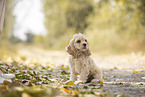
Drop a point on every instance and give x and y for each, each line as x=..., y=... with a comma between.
x=80, y=61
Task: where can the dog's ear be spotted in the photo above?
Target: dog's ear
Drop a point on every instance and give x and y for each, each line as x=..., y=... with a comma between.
x=70, y=49
x=87, y=52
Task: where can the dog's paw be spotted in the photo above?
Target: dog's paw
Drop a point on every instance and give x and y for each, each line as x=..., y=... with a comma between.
x=79, y=82
x=95, y=81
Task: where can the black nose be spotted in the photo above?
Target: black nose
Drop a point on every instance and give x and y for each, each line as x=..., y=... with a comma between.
x=84, y=44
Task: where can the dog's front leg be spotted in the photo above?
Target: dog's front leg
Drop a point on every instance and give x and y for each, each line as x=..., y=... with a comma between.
x=84, y=75
x=73, y=75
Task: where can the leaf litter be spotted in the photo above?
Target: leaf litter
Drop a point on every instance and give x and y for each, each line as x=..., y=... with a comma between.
x=34, y=78
x=42, y=81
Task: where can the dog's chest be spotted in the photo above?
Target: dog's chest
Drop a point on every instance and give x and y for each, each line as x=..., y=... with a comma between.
x=81, y=64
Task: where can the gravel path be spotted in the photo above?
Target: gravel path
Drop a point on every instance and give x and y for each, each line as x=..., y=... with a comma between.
x=125, y=82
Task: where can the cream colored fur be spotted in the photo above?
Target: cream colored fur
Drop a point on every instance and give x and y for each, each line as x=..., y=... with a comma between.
x=80, y=61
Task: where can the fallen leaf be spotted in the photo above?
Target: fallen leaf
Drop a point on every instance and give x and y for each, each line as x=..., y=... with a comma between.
x=4, y=87
x=25, y=95
x=14, y=84
x=75, y=92
x=70, y=83
x=124, y=68
x=66, y=90
x=6, y=82
x=19, y=89
x=3, y=79
x=143, y=68
x=135, y=71
x=101, y=84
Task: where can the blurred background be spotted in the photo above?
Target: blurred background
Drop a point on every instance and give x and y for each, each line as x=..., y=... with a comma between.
x=36, y=32
x=112, y=26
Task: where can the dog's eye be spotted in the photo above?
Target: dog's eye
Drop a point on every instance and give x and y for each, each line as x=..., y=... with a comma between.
x=78, y=41
x=85, y=40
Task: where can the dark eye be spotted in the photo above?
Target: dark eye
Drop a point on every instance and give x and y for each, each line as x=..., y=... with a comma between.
x=78, y=41
x=85, y=40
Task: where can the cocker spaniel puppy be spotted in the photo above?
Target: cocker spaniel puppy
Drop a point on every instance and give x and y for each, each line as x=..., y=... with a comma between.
x=80, y=61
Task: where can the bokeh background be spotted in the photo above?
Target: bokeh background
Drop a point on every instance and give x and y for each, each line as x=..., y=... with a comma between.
x=112, y=26
x=36, y=33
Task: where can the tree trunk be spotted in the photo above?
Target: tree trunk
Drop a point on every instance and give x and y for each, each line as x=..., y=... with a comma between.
x=2, y=11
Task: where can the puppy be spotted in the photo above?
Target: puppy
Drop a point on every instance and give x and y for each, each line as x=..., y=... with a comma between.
x=80, y=61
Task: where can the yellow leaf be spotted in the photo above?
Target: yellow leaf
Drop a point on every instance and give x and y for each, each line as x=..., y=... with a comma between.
x=75, y=92
x=135, y=71
x=4, y=87
x=52, y=64
x=143, y=68
x=123, y=68
x=36, y=87
x=19, y=89
x=66, y=90
x=70, y=83
x=6, y=82
x=25, y=95
x=101, y=84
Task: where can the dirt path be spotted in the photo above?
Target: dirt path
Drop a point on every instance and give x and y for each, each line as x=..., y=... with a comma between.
x=123, y=74
x=125, y=82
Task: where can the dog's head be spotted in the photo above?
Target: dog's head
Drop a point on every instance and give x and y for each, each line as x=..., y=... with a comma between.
x=78, y=46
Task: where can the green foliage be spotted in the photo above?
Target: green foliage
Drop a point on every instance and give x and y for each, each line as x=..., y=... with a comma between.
x=116, y=24
x=77, y=13
x=110, y=25
x=64, y=18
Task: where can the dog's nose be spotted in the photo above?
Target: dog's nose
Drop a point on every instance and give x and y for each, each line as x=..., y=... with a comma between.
x=84, y=44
